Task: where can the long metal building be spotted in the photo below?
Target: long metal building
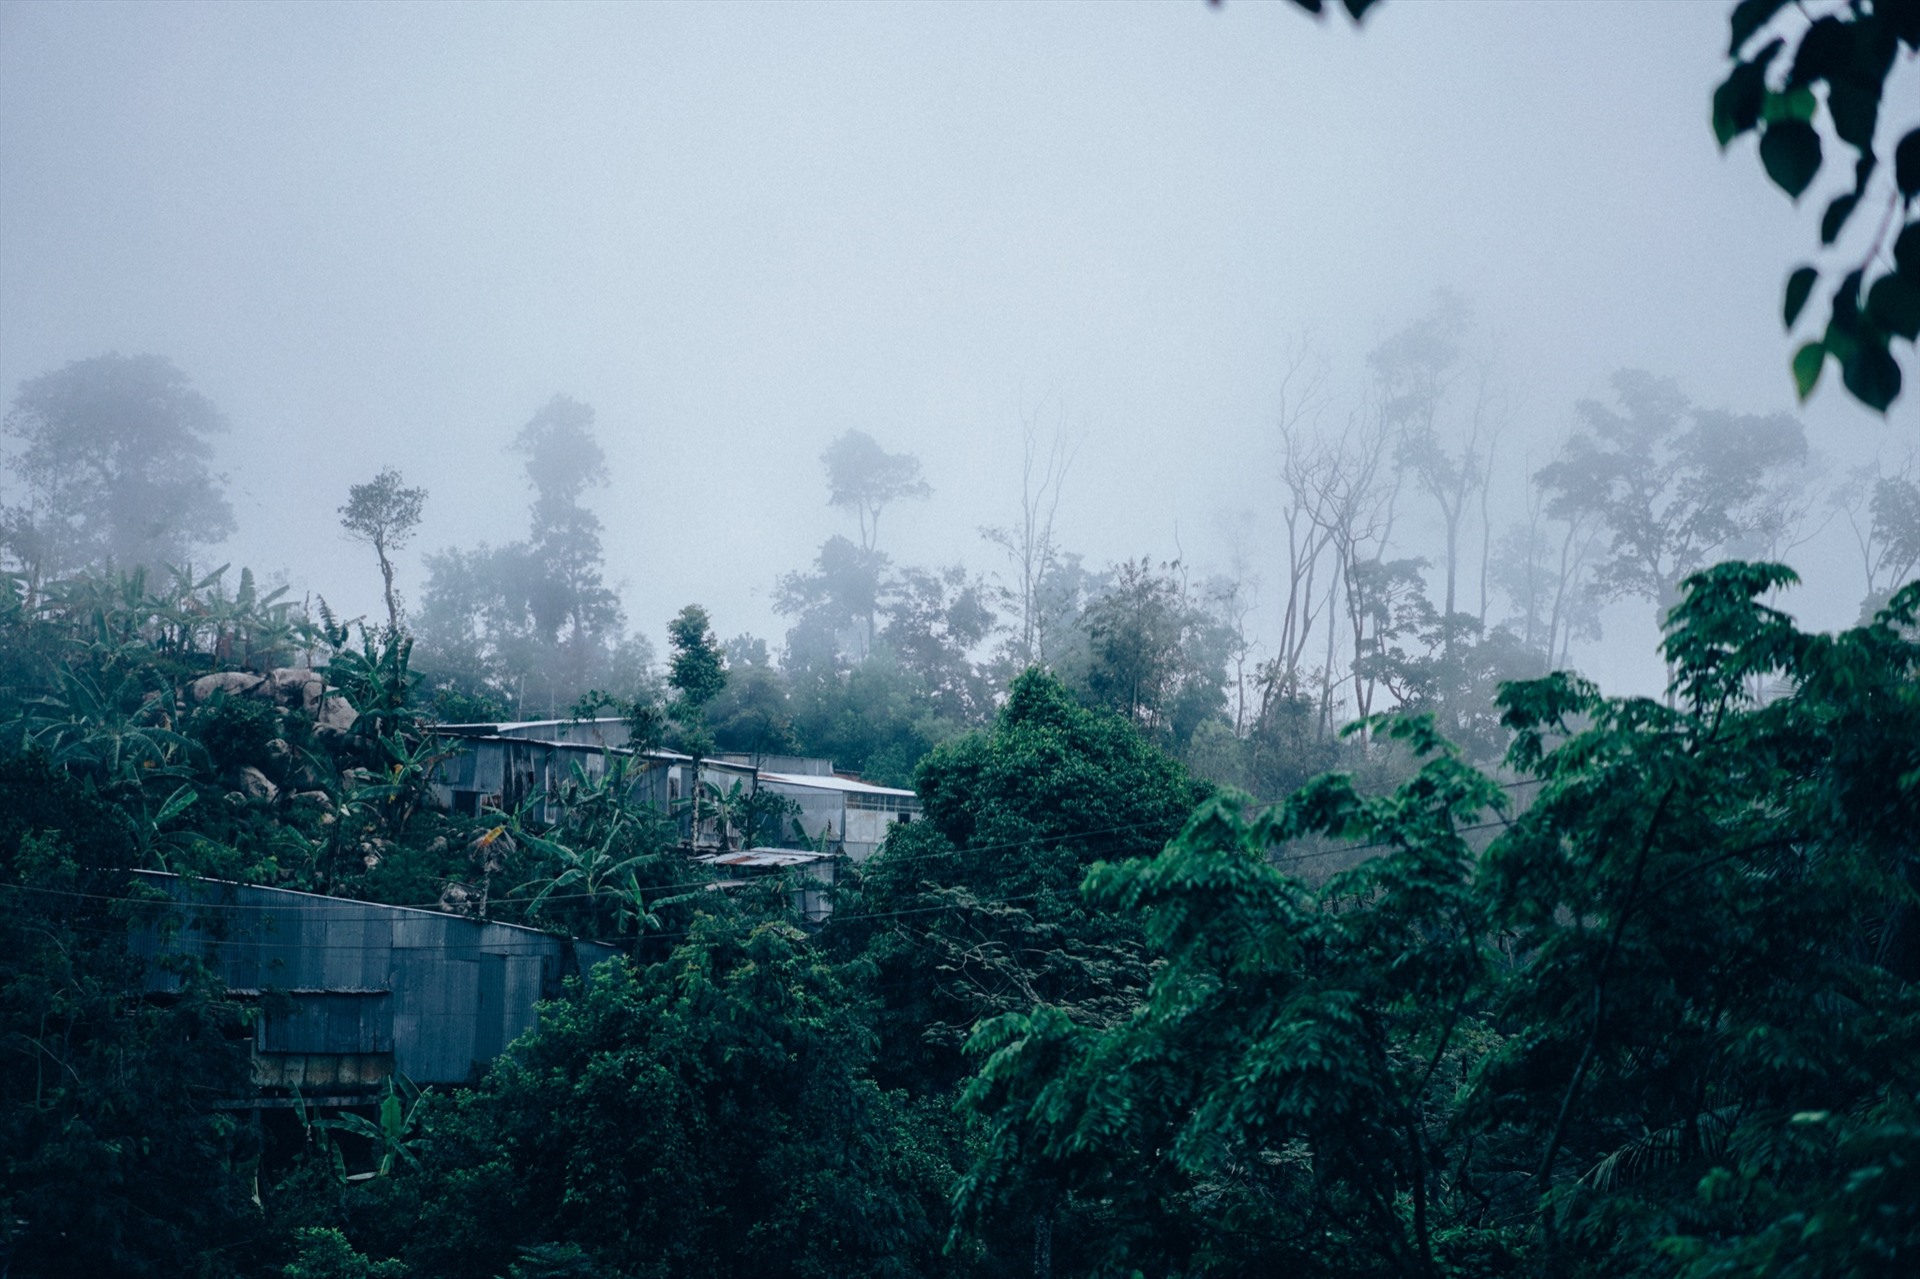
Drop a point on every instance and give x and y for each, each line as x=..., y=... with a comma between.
x=350, y=992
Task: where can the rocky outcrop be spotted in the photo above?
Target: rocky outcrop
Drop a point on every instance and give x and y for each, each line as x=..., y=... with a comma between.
x=232, y=683
x=290, y=687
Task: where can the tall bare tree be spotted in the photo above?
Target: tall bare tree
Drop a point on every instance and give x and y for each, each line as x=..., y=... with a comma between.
x=1352, y=489
x=383, y=513
x=1303, y=399
x=1031, y=550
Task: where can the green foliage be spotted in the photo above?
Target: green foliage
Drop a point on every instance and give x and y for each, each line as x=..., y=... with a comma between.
x=235, y=731
x=392, y=1132
x=975, y=910
x=1848, y=49
x=326, y=1254
x=598, y=867
x=1285, y=1076
x=1155, y=656
x=1673, y=999
x=697, y=669
x=707, y=1115
x=753, y=713
x=556, y=1261
x=113, y=1157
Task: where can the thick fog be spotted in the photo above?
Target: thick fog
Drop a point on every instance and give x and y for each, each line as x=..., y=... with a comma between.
x=387, y=235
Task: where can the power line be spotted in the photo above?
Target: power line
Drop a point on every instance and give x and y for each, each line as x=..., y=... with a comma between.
x=373, y=908
x=331, y=906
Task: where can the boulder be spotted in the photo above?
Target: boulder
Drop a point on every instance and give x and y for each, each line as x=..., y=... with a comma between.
x=255, y=784
x=334, y=715
x=232, y=683
x=297, y=686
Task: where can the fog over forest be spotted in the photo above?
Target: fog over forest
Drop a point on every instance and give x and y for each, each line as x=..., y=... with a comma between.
x=387, y=235
x=960, y=641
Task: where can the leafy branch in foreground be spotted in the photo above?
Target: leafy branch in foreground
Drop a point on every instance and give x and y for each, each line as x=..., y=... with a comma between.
x=1781, y=55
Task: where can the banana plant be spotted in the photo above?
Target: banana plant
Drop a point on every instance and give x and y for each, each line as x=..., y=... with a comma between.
x=591, y=873
x=407, y=779
x=728, y=808
x=150, y=833
x=598, y=854
x=376, y=678
x=394, y=1137
x=113, y=724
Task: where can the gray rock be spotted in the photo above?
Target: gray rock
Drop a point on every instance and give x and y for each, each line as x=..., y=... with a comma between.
x=232, y=683
x=255, y=785
x=334, y=715
x=297, y=686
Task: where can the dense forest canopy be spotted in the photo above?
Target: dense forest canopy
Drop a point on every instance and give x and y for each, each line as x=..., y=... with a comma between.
x=1303, y=912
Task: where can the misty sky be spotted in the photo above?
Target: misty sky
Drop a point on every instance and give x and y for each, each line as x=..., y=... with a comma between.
x=386, y=234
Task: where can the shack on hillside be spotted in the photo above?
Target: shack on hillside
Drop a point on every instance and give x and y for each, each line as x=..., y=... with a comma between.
x=504, y=765
x=351, y=992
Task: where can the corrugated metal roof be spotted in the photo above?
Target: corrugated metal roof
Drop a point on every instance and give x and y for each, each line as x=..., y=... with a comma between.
x=333, y=905
x=508, y=726
x=488, y=733
x=846, y=784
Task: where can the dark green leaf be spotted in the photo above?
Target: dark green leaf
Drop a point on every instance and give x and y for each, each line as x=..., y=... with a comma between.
x=1791, y=152
x=1836, y=217
x=1799, y=285
x=1795, y=104
x=1906, y=165
x=1824, y=52
x=1854, y=109
x=1894, y=305
x=1872, y=375
x=1842, y=342
x=1863, y=171
x=1905, y=22
x=1738, y=101
x=1807, y=363
x=1906, y=251
x=1846, y=303
x=1748, y=17
x=1358, y=8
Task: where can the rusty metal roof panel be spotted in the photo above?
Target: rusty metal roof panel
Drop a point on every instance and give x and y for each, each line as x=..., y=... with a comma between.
x=765, y=857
